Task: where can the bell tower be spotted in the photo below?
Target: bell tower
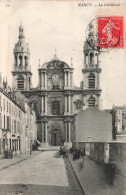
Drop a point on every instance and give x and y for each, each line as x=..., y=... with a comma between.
x=21, y=72
x=91, y=76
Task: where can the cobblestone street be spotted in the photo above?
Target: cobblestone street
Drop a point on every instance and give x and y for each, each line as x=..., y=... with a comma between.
x=44, y=173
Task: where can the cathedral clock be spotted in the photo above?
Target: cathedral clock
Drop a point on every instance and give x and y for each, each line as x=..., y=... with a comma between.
x=55, y=80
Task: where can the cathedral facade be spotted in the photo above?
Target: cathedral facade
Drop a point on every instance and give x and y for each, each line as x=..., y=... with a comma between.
x=56, y=99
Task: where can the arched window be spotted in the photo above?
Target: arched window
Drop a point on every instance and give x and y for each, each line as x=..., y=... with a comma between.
x=86, y=58
x=20, y=82
x=91, y=102
x=20, y=60
x=91, y=58
x=91, y=81
x=26, y=60
x=15, y=60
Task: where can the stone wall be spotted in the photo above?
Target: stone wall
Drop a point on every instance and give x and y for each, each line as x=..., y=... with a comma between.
x=107, y=153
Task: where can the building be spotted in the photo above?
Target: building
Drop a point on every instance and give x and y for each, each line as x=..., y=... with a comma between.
x=93, y=125
x=56, y=99
x=119, y=122
x=17, y=123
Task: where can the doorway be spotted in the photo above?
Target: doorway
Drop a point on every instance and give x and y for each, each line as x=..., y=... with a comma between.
x=56, y=138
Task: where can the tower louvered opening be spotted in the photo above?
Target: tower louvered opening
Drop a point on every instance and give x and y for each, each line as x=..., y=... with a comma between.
x=91, y=81
x=91, y=102
x=20, y=82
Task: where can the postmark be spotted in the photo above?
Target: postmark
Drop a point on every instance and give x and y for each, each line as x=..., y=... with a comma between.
x=105, y=33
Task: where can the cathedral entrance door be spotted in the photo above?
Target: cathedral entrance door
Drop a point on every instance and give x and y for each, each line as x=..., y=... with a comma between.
x=56, y=138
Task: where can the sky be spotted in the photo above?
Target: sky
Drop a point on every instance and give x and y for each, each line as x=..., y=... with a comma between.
x=61, y=25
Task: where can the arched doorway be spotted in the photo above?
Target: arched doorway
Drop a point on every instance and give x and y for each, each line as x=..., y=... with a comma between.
x=56, y=137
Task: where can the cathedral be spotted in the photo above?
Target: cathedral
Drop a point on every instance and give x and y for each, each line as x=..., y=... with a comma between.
x=56, y=99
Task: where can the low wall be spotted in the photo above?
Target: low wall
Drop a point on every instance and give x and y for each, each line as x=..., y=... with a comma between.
x=107, y=153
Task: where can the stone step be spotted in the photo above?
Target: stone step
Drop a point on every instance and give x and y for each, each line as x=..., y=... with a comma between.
x=49, y=148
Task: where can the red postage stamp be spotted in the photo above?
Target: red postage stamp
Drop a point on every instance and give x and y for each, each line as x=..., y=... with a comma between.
x=110, y=32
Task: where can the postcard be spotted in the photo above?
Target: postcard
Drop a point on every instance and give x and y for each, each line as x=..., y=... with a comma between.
x=63, y=97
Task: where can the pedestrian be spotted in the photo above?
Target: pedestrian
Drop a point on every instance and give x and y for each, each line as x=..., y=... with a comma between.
x=82, y=163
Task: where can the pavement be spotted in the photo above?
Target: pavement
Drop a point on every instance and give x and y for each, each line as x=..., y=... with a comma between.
x=46, y=173
x=93, y=178
x=5, y=163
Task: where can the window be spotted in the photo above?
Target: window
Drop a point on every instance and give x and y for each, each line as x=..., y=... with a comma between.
x=8, y=123
x=18, y=127
x=20, y=60
x=15, y=60
x=26, y=60
x=86, y=58
x=14, y=126
x=55, y=107
x=9, y=107
x=91, y=102
x=4, y=121
x=20, y=82
x=91, y=81
x=4, y=103
x=91, y=58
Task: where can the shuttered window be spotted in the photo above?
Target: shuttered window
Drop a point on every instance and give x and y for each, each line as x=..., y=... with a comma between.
x=20, y=82
x=91, y=81
x=91, y=102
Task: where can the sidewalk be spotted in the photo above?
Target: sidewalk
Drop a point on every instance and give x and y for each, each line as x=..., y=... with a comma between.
x=93, y=180
x=5, y=163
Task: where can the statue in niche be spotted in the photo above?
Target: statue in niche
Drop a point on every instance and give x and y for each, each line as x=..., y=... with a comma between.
x=78, y=104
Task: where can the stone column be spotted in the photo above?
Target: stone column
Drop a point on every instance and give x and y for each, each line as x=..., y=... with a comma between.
x=88, y=59
x=69, y=80
x=42, y=105
x=65, y=103
x=69, y=132
x=64, y=79
x=46, y=104
x=69, y=103
x=46, y=133
x=41, y=80
x=42, y=129
x=98, y=79
x=22, y=60
x=17, y=60
x=45, y=80
x=66, y=131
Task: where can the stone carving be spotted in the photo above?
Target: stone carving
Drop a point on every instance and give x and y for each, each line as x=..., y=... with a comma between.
x=54, y=126
x=78, y=104
x=55, y=65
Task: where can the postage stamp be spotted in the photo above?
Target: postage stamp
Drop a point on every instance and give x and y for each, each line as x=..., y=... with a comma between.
x=105, y=33
x=110, y=32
